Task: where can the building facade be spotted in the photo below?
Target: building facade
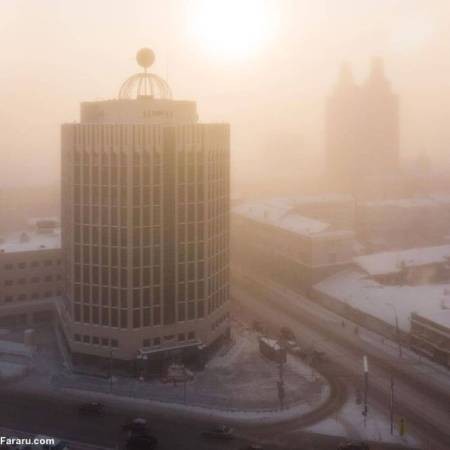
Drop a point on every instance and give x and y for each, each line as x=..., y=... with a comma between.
x=272, y=239
x=362, y=134
x=31, y=274
x=145, y=220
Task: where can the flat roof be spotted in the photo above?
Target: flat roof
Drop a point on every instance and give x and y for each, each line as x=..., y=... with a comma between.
x=25, y=241
x=360, y=292
x=411, y=202
x=384, y=263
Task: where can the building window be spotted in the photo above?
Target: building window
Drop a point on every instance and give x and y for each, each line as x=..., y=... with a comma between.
x=146, y=343
x=77, y=337
x=191, y=335
x=157, y=341
x=105, y=342
x=114, y=343
x=8, y=299
x=86, y=339
x=21, y=265
x=181, y=337
x=95, y=340
x=8, y=266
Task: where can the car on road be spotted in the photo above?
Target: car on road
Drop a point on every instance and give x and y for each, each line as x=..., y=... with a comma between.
x=354, y=446
x=219, y=432
x=258, y=326
x=137, y=426
x=143, y=442
x=287, y=333
x=91, y=409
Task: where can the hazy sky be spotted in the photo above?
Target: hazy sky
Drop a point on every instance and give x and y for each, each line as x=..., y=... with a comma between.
x=265, y=67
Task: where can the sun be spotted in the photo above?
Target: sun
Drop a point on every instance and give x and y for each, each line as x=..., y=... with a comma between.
x=233, y=29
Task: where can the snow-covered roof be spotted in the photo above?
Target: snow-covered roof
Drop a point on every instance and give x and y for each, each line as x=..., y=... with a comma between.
x=393, y=261
x=383, y=302
x=323, y=198
x=24, y=241
x=281, y=216
x=412, y=202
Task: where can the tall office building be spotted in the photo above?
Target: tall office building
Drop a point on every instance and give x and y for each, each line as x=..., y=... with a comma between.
x=145, y=223
x=362, y=131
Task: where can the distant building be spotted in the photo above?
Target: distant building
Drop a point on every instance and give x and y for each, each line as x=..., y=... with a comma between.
x=362, y=134
x=424, y=265
x=31, y=275
x=403, y=223
x=145, y=221
x=404, y=294
x=271, y=237
x=430, y=335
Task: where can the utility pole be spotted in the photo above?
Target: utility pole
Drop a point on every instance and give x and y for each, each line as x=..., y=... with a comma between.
x=397, y=329
x=110, y=370
x=366, y=386
x=392, y=405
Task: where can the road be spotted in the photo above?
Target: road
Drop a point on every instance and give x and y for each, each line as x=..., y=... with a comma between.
x=60, y=418
x=424, y=405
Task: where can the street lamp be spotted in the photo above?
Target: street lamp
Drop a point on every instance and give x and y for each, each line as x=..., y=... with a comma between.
x=366, y=386
x=397, y=330
x=110, y=370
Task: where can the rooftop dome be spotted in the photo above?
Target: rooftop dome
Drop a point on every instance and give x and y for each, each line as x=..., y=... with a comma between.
x=145, y=84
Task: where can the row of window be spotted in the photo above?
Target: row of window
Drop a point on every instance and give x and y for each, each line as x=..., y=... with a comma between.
x=34, y=280
x=24, y=265
x=33, y=296
x=95, y=340
x=146, y=342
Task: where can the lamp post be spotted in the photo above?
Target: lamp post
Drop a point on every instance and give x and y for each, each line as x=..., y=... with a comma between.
x=366, y=386
x=110, y=370
x=397, y=330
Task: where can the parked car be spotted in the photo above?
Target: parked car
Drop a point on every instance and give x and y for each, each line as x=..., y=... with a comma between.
x=91, y=409
x=287, y=333
x=137, y=426
x=143, y=442
x=299, y=351
x=258, y=326
x=354, y=446
x=219, y=432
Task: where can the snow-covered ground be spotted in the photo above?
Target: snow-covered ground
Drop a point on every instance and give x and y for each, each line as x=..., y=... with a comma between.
x=239, y=379
x=349, y=423
x=358, y=291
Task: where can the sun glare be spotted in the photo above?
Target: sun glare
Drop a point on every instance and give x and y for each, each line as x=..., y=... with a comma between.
x=233, y=29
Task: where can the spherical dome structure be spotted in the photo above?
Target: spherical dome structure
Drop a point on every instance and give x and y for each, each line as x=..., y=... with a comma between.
x=145, y=84
x=145, y=57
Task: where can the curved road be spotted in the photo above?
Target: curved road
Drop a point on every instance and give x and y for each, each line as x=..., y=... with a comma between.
x=425, y=406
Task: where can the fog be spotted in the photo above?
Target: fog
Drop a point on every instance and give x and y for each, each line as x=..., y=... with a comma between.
x=56, y=54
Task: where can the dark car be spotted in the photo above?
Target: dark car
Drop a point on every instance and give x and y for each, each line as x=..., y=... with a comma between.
x=219, y=432
x=144, y=442
x=91, y=409
x=354, y=446
x=137, y=426
x=287, y=333
x=258, y=326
